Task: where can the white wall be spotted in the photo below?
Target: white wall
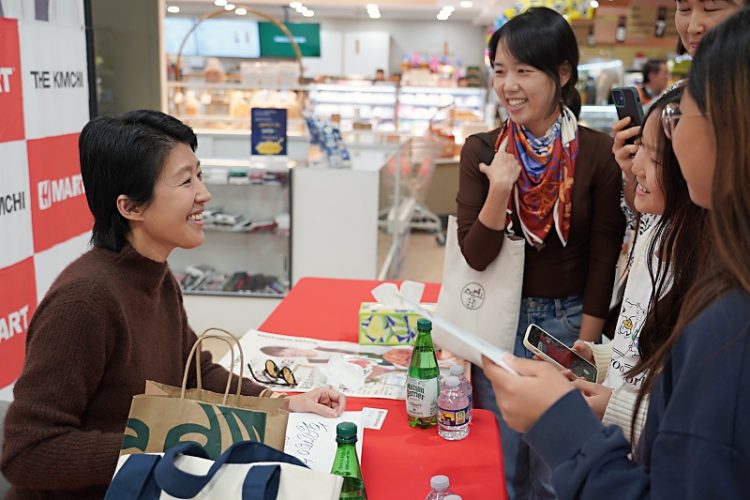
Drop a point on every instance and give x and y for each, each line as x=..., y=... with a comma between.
x=465, y=41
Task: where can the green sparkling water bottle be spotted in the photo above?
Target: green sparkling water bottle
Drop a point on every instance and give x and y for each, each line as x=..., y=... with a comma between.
x=346, y=464
x=422, y=387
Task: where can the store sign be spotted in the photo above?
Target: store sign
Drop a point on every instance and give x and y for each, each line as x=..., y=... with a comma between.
x=54, y=77
x=274, y=43
x=11, y=92
x=16, y=241
x=17, y=305
x=59, y=208
x=268, y=131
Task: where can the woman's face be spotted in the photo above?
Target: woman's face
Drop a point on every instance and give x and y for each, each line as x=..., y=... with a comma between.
x=174, y=217
x=525, y=92
x=694, y=18
x=694, y=146
x=649, y=197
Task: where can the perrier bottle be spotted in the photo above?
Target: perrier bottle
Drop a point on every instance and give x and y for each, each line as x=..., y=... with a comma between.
x=422, y=387
x=346, y=464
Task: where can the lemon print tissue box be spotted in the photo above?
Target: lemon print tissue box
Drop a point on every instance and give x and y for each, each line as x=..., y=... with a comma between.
x=381, y=324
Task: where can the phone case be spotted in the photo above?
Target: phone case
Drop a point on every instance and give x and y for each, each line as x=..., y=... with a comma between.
x=547, y=358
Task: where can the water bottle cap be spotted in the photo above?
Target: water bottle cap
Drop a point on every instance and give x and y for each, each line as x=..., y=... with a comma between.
x=452, y=381
x=346, y=433
x=424, y=325
x=457, y=370
x=440, y=483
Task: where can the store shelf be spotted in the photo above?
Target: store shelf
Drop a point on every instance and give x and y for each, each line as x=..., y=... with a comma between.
x=234, y=86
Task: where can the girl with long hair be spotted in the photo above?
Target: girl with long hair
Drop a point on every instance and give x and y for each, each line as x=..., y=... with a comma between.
x=696, y=441
x=664, y=264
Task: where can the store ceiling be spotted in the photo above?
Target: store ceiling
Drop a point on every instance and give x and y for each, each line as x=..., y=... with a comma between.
x=482, y=12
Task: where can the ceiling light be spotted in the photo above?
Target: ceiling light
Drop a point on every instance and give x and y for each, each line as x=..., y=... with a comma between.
x=308, y=13
x=295, y=5
x=449, y=9
x=240, y=11
x=594, y=4
x=229, y=6
x=220, y=3
x=442, y=17
x=375, y=15
x=372, y=6
x=466, y=4
x=173, y=9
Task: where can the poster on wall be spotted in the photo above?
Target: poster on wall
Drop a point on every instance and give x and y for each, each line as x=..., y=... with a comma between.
x=44, y=220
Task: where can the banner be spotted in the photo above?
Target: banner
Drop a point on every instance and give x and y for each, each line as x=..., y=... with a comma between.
x=44, y=220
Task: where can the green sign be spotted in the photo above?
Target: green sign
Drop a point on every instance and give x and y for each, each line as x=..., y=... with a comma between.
x=274, y=43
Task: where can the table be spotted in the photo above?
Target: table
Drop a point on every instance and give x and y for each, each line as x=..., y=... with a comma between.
x=397, y=461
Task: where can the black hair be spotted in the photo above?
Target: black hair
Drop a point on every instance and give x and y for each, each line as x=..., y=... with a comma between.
x=124, y=156
x=543, y=39
x=651, y=66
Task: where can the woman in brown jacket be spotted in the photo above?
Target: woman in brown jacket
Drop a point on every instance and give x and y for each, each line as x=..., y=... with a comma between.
x=562, y=186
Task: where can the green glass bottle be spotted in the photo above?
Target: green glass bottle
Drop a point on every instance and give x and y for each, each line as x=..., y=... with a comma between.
x=346, y=464
x=422, y=386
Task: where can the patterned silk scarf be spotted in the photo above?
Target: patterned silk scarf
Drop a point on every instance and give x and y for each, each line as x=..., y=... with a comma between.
x=544, y=190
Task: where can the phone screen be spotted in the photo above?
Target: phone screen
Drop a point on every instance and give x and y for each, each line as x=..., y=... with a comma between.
x=561, y=353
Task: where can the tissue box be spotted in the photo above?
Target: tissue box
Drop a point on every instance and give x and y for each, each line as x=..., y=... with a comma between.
x=385, y=325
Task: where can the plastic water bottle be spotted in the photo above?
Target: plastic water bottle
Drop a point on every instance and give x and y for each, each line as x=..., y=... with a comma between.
x=453, y=405
x=440, y=488
x=458, y=371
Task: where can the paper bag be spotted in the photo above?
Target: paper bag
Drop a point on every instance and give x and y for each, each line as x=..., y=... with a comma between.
x=167, y=416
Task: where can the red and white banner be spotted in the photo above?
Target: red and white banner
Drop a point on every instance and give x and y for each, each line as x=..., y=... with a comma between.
x=44, y=219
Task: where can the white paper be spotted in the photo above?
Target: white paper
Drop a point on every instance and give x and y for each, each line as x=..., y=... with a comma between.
x=372, y=418
x=461, y=342
x=312, y=438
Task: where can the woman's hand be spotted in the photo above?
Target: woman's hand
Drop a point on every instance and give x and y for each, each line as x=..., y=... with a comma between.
x=596, y=395
x=522, y=400
x=623, y=152
x=503, y=172
x=584, y=350
x=323, y=401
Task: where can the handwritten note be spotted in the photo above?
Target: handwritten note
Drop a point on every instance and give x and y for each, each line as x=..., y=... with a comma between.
x=312, y=438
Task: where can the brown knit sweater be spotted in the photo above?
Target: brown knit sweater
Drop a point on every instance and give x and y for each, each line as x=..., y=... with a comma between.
x=586, y=266
x=109, y=322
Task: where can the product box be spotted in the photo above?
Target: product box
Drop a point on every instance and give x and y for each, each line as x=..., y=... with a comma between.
x=381, y=324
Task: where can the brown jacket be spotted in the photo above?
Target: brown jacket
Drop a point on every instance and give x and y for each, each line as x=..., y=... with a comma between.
x=586, y=266
x=109, y=322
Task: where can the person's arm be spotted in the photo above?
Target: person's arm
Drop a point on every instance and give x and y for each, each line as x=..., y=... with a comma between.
x=483, y=194
x=620, y=410
x=605, y=242
x=66, y=354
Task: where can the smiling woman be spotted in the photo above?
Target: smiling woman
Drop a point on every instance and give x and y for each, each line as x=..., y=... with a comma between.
x=114, y=318
x=561, y=185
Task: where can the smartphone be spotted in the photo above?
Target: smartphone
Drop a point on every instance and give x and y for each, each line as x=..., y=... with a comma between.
x=628, y=103
x=550, y=349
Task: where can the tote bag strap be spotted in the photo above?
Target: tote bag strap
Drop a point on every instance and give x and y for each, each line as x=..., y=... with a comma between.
x=135, y=479
x=181, y=484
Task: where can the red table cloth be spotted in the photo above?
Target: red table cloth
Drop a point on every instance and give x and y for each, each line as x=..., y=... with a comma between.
x=397, y=461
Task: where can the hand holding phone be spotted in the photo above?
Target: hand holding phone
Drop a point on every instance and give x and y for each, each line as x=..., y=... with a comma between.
x=551, y=349
x=628, y=103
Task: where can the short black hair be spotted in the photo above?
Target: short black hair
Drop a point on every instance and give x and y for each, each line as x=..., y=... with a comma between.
x=124, y=156
x=651, y=66
x=542, y=38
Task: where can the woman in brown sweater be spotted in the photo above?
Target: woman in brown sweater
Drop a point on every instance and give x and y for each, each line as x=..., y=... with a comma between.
x=562, y=185
x=114, y=318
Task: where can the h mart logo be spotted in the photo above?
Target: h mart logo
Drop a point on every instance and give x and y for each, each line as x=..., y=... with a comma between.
x=14, y=324
x=57, y=190
x=5, y=74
